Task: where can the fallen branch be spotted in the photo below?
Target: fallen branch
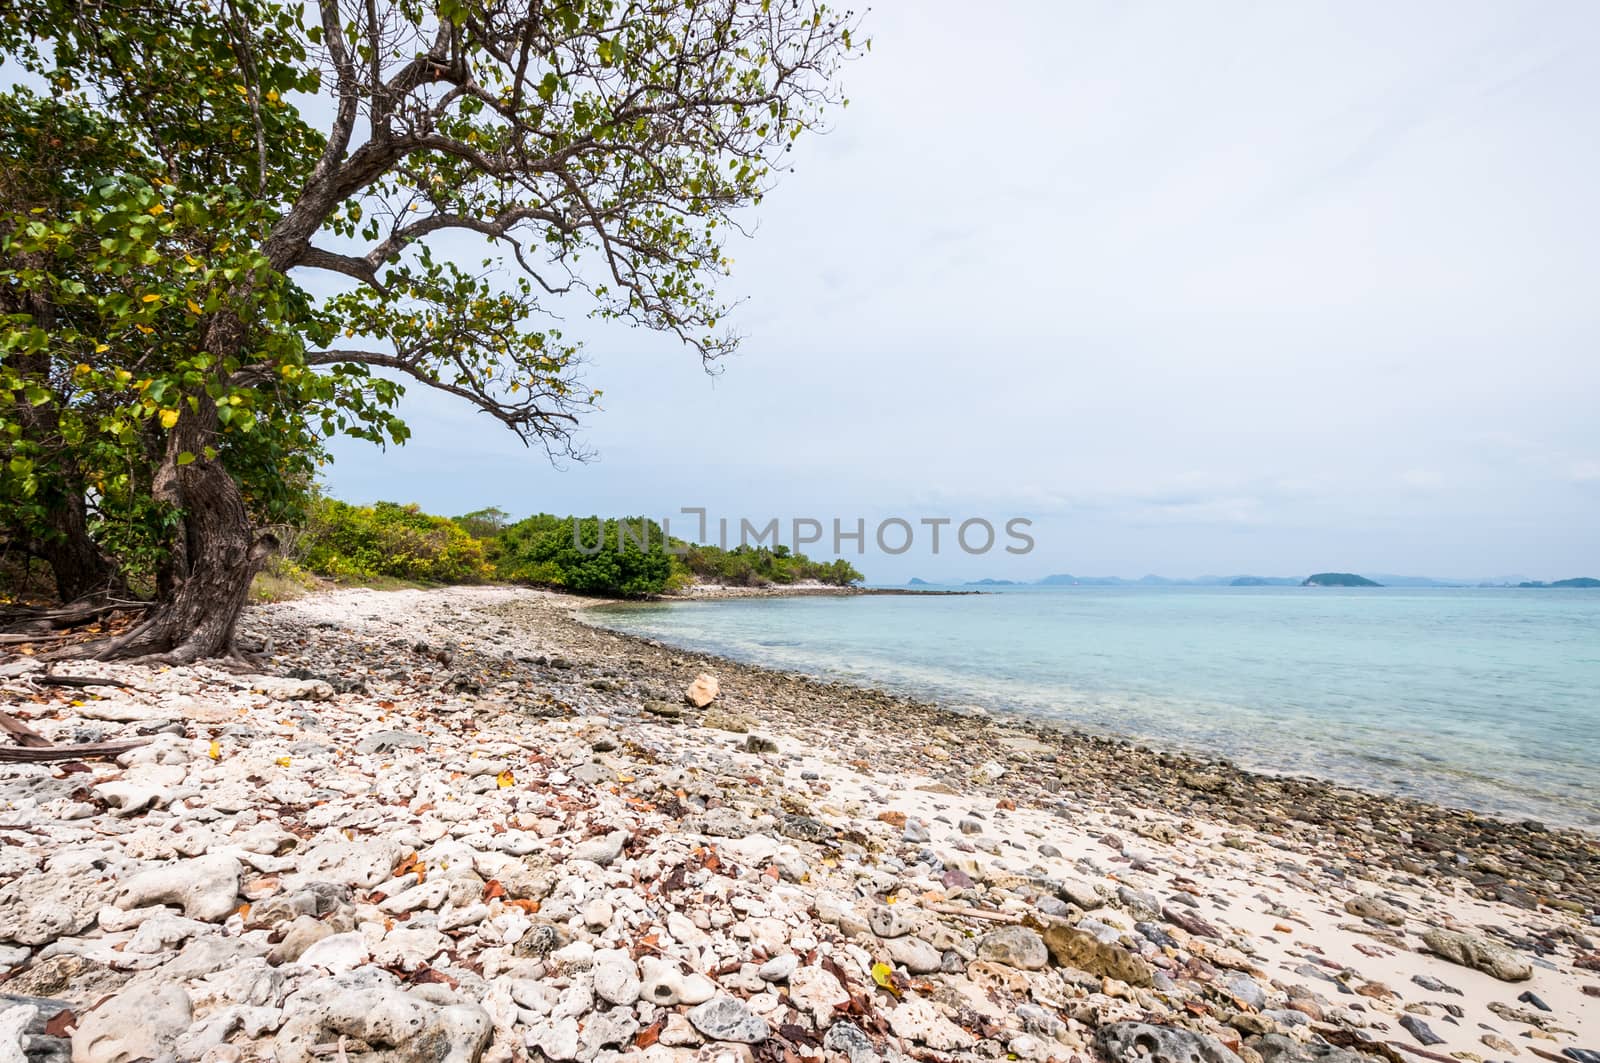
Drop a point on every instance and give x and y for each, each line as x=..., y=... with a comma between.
x=25, y=735
x=45, y=620
x=975, y=913
x=81, y=751
x=79, y=681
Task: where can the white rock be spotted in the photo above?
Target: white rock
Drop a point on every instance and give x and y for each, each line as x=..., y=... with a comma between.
x=573, y=1001
x=914, y=954
x=13, y=1022
x=165, y=931
x=616, y=977
x=207, y=887
x=359, y=1005
x=664, y=983
x=602, y=850
x=779, y=968
x=556, y=1038
x=814, y=991
x=337, y=953
x=597, y=914
x=921, y=1021
x=409, y=949
x=141, y=1022
x=280, y=688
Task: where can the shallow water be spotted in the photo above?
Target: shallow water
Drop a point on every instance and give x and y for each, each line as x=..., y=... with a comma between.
x=1487, y=699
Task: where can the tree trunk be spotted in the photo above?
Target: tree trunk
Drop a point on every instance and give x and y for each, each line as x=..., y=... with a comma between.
x=80, y=569
x=215, y=554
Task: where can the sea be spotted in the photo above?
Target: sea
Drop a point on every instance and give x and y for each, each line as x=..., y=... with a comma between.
x=1487, y=699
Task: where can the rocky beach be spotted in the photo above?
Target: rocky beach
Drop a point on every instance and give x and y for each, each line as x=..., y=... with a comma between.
x=467, y=824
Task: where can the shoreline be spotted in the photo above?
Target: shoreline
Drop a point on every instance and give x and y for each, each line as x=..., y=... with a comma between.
x=474, y=804
x=1070, y=731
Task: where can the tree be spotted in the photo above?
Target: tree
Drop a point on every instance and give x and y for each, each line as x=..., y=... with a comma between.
x=592, y=150
x=484, y=523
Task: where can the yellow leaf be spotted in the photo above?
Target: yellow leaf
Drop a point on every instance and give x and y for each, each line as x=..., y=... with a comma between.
x=216, y=751
x=80, y=369
x=882, y=975
x=169, y=418
x=146, y=329
x=101, y=348
x=194, y=307
x=151, y=299
x=158, y=209
x=505, y=779
x=282, y=762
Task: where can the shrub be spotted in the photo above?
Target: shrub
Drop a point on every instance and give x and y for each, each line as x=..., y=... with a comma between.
x=758, y=566
x=611, y=560
x=387, y=539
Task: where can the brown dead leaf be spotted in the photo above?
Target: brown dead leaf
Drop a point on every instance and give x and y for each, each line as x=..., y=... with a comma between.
x=650, y=1034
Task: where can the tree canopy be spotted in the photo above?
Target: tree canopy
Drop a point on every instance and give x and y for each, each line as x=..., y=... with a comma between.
x=231, y=229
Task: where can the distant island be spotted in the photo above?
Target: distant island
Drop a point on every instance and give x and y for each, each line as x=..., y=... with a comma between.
x=1580, y=581
x=916, y=581
x=992, y=583
x=1338, y=579
x=1264, y=581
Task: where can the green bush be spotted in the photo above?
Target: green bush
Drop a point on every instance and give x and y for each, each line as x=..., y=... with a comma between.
x=759, y=566
x=611, y=559
x=387, y=539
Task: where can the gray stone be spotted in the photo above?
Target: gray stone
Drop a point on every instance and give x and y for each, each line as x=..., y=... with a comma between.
x=892, y=920
x=846, y=1039
x=915, y=955
x=725, y=1018
x=1478, y=952
x=602, y=850
x=1139, y=1042
x=390, y=741
x=1277, y=1048
x=1370, y=907
x=1014, y=946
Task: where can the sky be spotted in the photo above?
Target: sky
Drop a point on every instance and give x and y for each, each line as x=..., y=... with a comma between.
x=1265, y=288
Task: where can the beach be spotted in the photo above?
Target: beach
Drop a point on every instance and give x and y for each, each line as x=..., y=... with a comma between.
x=468, y=824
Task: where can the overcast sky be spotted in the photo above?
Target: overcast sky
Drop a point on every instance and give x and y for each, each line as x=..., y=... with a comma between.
x=1223, y=288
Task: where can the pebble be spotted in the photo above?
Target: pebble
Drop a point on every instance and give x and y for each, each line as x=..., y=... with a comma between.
x=511, y=857
x=726, y=1018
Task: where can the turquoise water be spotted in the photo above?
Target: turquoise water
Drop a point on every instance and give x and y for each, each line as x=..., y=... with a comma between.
x=1487, y=699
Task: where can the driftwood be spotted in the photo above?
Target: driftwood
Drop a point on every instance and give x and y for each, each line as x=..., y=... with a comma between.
x=24, y=734
x=33, y=747
x=77, y=681
x=81, y=751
